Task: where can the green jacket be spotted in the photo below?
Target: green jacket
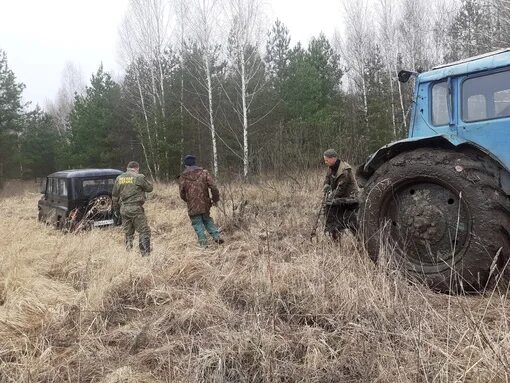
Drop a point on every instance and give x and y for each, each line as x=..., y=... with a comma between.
x=130, y=189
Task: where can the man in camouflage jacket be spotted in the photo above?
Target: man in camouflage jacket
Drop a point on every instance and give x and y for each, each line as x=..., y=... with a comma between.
x=341, y=189
x=194, y=186
x=129, y=195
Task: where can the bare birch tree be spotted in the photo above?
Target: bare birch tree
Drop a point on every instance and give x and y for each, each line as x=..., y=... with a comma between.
x=144, y=42
x=390, y=52
x=355, y=47
x=72, y=83
x=201, y=21
x=246, y=32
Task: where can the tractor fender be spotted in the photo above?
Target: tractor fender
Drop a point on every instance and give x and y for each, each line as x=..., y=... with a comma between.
x=387, y=152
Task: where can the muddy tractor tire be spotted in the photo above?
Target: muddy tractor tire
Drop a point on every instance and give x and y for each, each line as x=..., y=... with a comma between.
x=440, y=216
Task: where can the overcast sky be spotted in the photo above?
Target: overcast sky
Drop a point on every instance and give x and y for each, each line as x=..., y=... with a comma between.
x=41, y=36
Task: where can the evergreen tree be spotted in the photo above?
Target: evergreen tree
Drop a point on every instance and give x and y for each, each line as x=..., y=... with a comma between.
x=40, y=145
x=94, y=122
x=11, y=119
x=277, y=54
x=326, y=62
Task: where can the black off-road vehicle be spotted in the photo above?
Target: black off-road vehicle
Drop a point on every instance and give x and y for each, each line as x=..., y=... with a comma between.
x=74, y=200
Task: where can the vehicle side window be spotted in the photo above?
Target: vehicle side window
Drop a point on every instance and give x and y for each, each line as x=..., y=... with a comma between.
x=486, y=97
x=476, y=108
x=440, y=103
x=52, y=188
x=62, y=187
x=502, y=103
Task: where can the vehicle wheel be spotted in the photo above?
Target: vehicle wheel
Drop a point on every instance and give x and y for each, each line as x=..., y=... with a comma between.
x=444, y=215
x=100, y=205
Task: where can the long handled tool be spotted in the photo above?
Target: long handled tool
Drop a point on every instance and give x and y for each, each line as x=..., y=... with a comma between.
x=317, y=219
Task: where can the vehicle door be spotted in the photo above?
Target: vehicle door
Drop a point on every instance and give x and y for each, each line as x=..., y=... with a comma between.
x=44, y=204
x=484, y=116
x=47, y=202
x=61, y=200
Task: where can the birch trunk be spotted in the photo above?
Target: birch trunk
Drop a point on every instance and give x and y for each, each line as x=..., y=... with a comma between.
x=245, y=116
x=211, y=116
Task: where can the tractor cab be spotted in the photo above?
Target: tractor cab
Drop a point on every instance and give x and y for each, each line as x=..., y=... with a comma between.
x=467, y=102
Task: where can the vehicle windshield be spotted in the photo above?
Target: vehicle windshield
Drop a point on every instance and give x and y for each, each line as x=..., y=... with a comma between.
x=91, y=187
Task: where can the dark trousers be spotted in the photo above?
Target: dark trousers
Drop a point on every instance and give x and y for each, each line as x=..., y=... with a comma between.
x=340, y=218
x=134, y=220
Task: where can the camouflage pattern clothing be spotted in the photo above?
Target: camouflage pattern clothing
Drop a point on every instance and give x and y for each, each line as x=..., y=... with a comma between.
x=129, y=194
x=194, y=186
x=342, y=200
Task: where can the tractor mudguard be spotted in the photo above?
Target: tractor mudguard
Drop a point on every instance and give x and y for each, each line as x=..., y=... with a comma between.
x=387, y=152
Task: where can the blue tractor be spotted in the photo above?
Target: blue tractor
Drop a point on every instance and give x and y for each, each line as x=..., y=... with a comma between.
x=438, y=201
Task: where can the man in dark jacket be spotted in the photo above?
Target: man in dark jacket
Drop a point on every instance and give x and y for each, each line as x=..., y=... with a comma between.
x=341, y=189
x=129, y=195
x=194, y=186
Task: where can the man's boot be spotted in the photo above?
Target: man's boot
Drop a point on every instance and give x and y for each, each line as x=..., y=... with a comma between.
x=129, y=243
x=145, y=246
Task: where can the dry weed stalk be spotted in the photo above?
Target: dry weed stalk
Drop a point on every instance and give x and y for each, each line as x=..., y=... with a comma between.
x=269, y=306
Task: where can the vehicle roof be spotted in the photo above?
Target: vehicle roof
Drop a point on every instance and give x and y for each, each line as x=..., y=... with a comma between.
x=487, y=61
x=82, y=173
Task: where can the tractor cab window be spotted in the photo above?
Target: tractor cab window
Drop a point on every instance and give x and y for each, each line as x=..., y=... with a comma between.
x=440, y=103
x=486, y=97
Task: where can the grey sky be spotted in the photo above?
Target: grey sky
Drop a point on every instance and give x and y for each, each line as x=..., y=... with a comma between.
x=40, y=37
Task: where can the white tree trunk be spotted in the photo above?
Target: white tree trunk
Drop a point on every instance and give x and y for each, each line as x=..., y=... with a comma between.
x=365, y=98
x=211, y=116
x=245, y=115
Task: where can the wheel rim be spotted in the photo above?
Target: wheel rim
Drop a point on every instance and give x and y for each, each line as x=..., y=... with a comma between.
x=102, y=204
x=427, y=220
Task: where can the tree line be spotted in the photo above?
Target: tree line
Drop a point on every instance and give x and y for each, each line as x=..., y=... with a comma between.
x=210, y=77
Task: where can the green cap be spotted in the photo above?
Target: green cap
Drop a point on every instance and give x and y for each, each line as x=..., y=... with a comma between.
x=331, y=153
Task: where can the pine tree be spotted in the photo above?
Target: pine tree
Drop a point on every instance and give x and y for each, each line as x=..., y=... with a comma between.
x=11, y=119
x=94, y=120
x=41, y=145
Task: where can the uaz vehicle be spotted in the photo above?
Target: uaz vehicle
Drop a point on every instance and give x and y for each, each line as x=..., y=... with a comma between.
x=439, y=199
x=78, y=199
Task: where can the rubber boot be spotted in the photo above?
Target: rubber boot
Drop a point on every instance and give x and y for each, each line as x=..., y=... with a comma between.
x=145, y=247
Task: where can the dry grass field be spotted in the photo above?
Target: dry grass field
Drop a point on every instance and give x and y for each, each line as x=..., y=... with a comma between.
x=268, y=306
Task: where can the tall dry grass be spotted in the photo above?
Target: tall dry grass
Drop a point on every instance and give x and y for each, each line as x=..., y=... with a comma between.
x=268, y=306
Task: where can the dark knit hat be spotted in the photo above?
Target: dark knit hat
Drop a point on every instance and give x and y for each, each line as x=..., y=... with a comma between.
x=133, y=165
x=189, y=160
x=331, y=153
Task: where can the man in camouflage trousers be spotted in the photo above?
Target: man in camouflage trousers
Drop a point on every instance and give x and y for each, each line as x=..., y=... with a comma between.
x=194, y=186
x=129, y=195
x=341, y=196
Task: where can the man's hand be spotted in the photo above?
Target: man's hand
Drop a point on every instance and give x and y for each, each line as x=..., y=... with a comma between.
x=116, y=216
x=326, y=189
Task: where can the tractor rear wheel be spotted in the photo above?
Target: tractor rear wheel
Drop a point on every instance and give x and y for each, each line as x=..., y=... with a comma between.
x=442, y=217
